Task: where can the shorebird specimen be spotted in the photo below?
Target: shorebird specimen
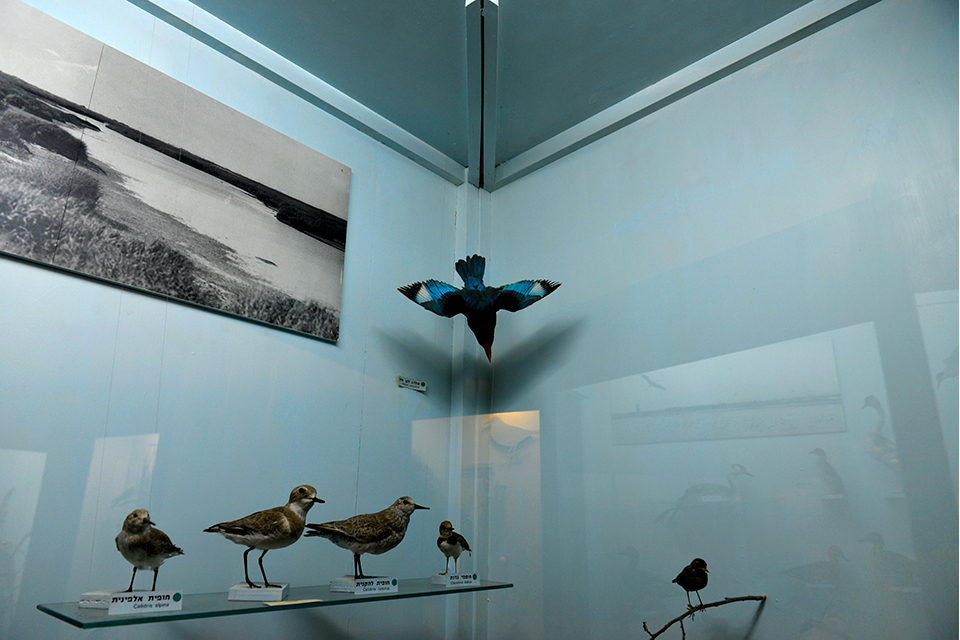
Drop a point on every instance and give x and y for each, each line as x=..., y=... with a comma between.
x=374, y=533
x=893, y=569
x=452, y=544
x=829, y=476
x=821, y=574
x=879, y=447
x=478, y=302
x=143, y=546
x=700, y=494
x=693, y=578
x=274, y=528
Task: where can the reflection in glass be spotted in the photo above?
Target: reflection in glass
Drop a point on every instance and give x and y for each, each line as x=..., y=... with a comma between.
x=21, y=476
x=121, y=473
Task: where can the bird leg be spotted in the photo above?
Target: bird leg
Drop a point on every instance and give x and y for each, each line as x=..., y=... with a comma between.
x=130, y=588
x=245, y=574
x=264, y=573
x=698, y=598
x=156, y=570
x=357, y=568
x=455, y=569
x=446, y=567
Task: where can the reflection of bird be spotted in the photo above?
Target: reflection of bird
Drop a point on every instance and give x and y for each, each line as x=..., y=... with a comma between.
x=269, y=529
x=655, y=385
x=693, y=578
x=478, y=302
x=831, y=479
x=879, y=447
x=143, y=546
x=506, y=436
x=950, y=366
x=452, y=544
x=821, y=574
x=895, y=570
x=374, y=533
x=707, y=493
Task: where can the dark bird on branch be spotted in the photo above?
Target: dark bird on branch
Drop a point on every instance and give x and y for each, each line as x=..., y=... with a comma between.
x=478, y=302
x=693, y=578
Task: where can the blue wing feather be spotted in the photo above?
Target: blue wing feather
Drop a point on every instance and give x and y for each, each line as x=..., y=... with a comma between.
x=519, y=295
x=439, y=297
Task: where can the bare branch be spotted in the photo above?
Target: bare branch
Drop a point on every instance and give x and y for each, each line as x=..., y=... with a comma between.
x=692, y=610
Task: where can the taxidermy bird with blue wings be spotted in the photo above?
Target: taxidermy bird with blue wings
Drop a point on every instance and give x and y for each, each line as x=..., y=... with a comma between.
x=478, y=302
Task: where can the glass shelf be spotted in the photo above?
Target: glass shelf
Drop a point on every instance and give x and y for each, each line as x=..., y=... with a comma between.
x=209, y=605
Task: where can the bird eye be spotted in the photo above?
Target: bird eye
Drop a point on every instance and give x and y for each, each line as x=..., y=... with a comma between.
x=302, y=490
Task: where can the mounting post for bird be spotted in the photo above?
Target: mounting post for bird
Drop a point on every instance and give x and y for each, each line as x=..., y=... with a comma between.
x=692, y=610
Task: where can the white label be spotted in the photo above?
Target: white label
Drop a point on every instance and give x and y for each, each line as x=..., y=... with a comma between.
x=376, y=585
x=462, y=579
x=410, y=383
x=145, y=602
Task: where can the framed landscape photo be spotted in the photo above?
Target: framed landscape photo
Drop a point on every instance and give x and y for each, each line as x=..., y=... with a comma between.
x=112, y=170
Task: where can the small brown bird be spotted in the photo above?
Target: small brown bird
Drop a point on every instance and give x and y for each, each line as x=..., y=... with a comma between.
x=143, y=546
x=374, y=533
x=693, y=578
x=269, y=529
x=452, y=544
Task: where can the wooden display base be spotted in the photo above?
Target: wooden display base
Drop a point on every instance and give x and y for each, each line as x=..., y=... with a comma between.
x=244, y=592
x=347, y=584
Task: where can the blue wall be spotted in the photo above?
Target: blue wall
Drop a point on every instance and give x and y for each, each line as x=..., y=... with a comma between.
x=808, y=199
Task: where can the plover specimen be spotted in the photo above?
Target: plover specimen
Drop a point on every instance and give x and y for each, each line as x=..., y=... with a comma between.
x=374, y=533
x=693, y=578
x=143, y=546
x=269, y=529
x=831, y=479
x=452, y=544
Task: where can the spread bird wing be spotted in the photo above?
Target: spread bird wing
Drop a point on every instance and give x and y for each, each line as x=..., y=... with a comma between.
x=519, y=295
x=441, y=298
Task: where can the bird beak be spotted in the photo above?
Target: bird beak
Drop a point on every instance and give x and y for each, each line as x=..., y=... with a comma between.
x=318, y=500
x=416, y=506
x=747, y=473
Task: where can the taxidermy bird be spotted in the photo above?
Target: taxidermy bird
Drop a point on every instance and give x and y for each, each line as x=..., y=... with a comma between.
x=879, y=447
x=374, y=533
x=693, y=578
x=895, y=570
x=478, y=302
x=700, y=494
x=829, y=476
x=452, y=544
x=144, y=546
x=820, y=574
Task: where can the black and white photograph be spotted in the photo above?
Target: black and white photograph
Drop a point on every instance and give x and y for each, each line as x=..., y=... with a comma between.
x=121, y=173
